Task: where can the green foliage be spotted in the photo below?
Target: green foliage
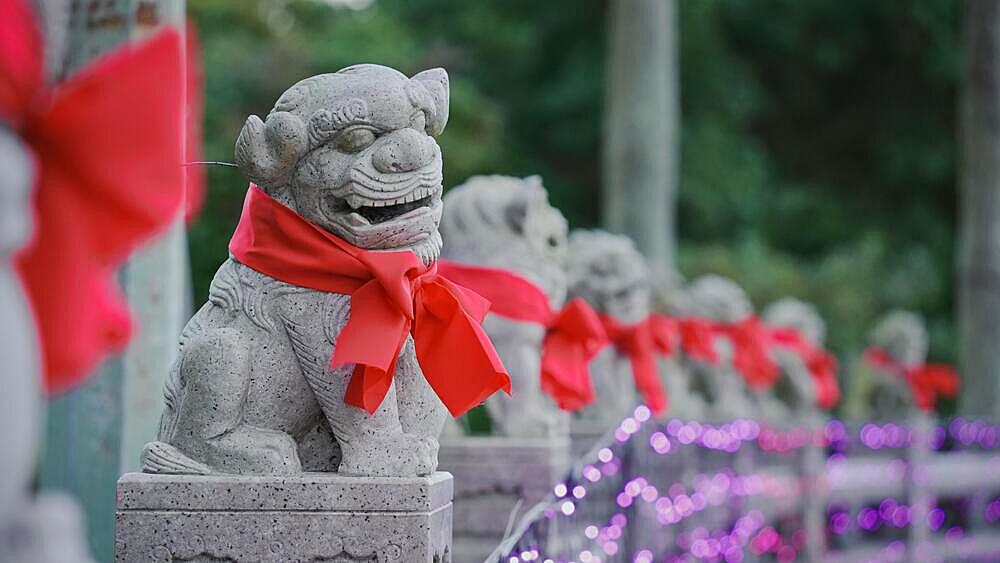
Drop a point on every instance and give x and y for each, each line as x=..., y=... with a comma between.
x=818, y=153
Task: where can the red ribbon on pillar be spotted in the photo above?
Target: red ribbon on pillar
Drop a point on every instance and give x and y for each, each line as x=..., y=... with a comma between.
x=107, y=144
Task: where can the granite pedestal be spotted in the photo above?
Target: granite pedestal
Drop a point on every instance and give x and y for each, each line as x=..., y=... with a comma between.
x=493, y=473
x=585, y=434
x=307, y=517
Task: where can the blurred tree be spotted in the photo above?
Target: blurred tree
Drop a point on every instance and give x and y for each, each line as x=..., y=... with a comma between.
x=641, y=127
x=979, y=252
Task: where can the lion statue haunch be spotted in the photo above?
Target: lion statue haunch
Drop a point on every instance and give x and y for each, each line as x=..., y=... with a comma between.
x=722, y=300
x=796, y=387
x=508, y=223
x=608, y=272
x=251, y=391
x=903, y=335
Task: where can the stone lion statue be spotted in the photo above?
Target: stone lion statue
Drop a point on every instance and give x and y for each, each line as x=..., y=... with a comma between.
x=507, y=223
x=353, y=152
x=796, y=387
x=608, y=272
x=903, y=335
x=670, y=298
x=722, y=300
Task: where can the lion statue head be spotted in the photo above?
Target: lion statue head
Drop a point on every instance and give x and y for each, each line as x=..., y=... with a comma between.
x=796, y=387
x=799, y=315
x=607, y=271
x=354, y=152
x=718, y=298
x=507, y=222
x=903, y=335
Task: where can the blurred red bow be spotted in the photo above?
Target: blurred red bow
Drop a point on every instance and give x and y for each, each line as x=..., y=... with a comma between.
x=107, y=144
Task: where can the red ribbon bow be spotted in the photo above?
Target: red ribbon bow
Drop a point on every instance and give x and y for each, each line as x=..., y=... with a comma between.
x=821, y=364
x=573, y=335
x=393, y=294
x=641, y=342
x=927, y=381
x=751, y=354
x=107, y=143
x=696, y=336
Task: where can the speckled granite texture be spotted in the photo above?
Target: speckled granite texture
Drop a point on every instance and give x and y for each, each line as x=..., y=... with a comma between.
x=492, y=474
x=307, y=517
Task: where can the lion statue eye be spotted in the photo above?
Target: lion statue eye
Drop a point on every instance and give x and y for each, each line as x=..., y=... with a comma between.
x=355, y=139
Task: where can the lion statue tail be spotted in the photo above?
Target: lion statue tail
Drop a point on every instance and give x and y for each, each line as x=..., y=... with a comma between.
x=163, y=458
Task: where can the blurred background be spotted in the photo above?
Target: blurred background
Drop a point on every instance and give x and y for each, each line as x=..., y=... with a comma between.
x=816, y=141
x=830, y=150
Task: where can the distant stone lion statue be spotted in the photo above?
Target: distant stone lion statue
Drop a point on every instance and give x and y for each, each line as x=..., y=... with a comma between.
x=507, y=223
x=722, y=300
x=796, y=388
x=354, y=153
x=670, y=298
x=607, y=271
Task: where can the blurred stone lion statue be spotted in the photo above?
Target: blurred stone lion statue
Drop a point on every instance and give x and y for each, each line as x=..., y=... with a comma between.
x=507, y=223
x=721, y=300
x=608, y=272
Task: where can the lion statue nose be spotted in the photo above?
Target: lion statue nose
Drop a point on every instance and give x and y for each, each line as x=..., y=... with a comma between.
x=405, y=150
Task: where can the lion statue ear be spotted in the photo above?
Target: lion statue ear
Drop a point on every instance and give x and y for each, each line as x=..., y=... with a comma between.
x=266, y=151
x=436, y=82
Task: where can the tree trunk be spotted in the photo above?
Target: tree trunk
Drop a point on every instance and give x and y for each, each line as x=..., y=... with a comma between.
x=95, y=432
x=641, y=127
x=979, y=246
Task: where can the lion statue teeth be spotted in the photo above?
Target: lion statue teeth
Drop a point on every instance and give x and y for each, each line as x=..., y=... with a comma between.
x=354, y=153
x=903, y=336
x=507, y=223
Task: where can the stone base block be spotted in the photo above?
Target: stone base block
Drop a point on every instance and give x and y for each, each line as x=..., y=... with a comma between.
x=585, y=434
x=492, y=474
x=310, y=517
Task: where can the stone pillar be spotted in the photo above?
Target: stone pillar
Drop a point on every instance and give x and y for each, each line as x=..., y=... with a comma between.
x=978, y=261
x=301, y=517
x=498, y=478
x=84, y=425
x=117, y=410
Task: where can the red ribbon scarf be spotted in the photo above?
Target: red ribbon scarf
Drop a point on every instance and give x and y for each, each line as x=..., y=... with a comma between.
x=696, y=336
x=107, y=144
x=821, y=364
x=927, y=381
x=641, y=342
x=393, y=294
x=751, y=354
x=573, y=335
